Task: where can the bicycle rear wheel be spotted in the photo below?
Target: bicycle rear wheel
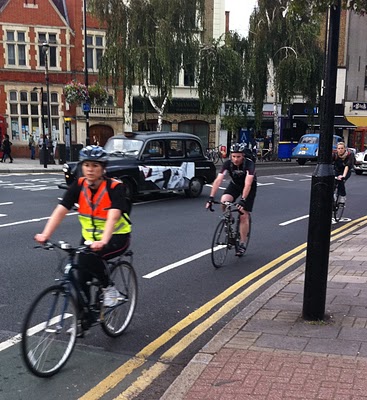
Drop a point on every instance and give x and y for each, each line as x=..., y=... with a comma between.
x=49, y=331
x=220, y=245
x=338, y=210
x=117, y=318
x=247, y=241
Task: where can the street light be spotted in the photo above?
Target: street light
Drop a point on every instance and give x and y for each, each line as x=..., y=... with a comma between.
x=45, y=47
x=44, y=146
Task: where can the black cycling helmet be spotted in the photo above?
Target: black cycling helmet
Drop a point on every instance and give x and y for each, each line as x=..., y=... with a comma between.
x=238, y=147
x=93, y=153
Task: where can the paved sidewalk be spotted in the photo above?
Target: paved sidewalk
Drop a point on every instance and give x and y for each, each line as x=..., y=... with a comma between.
x=26, y=165
x=269, y=352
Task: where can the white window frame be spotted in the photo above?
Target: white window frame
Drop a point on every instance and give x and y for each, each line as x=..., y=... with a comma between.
x=24, y=135
x=16, y=43
x=95, y=47
x=47, y=32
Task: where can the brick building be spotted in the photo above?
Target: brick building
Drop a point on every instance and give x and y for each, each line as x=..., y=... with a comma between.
x=24, y=28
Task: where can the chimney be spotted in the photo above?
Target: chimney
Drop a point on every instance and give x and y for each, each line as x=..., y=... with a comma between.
x=227, y=22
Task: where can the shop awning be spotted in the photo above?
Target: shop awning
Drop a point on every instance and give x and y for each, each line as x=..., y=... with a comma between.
x=339, y=121
x=357, y=121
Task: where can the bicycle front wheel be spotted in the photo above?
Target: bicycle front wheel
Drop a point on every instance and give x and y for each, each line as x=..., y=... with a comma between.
x=220, y=245
x=49, y=331
x=117, y=318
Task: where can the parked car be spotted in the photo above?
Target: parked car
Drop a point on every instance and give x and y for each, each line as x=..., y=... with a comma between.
x=154, y=162
x=360, y=162
x=307, y=148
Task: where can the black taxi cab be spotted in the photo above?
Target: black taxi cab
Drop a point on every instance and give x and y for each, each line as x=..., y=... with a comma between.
x=154, y=162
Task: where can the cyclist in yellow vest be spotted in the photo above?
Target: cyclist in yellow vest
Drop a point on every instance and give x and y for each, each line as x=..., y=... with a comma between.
x=103, y=217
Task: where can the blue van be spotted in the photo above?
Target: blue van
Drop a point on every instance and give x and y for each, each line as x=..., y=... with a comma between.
x=307, y=148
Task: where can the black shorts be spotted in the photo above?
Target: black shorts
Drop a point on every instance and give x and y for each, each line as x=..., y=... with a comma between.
x=235, y=191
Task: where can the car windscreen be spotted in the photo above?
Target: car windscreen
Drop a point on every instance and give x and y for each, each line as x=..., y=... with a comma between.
x=309, y=140
x=123, y=146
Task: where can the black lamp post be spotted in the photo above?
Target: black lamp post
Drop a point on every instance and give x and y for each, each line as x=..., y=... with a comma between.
x=318, y=242
x=45, y=47
x=87, y=105
x=44, y=146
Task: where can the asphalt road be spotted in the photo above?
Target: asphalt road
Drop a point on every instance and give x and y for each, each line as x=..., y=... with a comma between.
x=174, y=289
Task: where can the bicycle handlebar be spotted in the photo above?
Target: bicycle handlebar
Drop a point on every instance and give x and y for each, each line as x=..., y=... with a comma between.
x=84, y=248
x=227, y=204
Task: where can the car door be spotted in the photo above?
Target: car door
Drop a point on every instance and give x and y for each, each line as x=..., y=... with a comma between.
x=154, y=171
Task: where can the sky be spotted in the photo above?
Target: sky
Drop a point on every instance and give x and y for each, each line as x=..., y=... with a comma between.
x=240, y=11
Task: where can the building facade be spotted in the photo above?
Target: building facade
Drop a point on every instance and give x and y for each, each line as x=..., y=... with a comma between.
x=24, y=29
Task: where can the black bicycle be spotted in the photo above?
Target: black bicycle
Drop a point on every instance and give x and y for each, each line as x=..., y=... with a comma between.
x=338, y=207
x=53, y=321
x=214, y=154
x=227, y=233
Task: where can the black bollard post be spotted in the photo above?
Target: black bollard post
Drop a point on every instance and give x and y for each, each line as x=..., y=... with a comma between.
x=318, y=241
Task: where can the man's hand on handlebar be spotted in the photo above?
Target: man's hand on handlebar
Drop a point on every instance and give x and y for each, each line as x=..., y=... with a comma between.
x=209, y=203
x=241, y=205
x=340, y=178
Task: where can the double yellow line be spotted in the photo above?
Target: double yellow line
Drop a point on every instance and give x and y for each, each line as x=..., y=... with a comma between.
x=149, y=375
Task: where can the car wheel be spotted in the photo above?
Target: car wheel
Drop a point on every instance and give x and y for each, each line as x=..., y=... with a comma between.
x=358, y=172
x=301, y=161
x=195, y=188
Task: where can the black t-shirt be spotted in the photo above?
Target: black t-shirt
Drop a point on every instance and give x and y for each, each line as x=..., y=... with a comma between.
x=238, y=173
x=117, y=196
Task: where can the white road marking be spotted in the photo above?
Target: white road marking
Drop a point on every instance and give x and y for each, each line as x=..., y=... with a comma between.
x=6, y=203
x=265, y=184
x=293, y=220
x=31, y=220
x=284, y=179
x=32, y=331
x=3, y=215
x=177, y=264
x=304, y=180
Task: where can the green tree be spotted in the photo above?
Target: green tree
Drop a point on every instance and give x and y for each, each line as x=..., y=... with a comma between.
x=149, y=41
x=285, y=58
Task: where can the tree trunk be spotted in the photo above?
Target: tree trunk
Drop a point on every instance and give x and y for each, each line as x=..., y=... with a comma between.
x=160, y=110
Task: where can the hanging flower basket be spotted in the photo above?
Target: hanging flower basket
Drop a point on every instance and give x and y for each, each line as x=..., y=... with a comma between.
x=98, y=95
x=75, y=92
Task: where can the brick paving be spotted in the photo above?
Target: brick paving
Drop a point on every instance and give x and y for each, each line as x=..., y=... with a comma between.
x=269, y=352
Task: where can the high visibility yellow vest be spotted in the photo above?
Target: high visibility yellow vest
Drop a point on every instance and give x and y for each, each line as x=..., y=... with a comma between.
x=93, y=213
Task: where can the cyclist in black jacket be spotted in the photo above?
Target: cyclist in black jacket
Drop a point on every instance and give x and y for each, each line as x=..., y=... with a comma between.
x=343, y=161
x=243, y=183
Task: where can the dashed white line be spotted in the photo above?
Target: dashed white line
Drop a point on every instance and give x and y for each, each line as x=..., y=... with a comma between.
x=293, y=220
x=283, y=179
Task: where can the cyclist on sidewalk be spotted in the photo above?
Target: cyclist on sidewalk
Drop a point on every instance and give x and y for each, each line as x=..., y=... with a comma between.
x=243, y=183
x=343, y=163
x=103, y=217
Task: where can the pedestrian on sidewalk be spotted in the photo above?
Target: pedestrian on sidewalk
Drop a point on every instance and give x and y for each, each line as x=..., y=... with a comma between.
x=6, y=148
x=32, y=146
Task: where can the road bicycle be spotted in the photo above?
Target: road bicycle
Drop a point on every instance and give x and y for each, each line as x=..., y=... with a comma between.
x=338, y=207
x=227, y=233
x=54, y=320
x=214, y=155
